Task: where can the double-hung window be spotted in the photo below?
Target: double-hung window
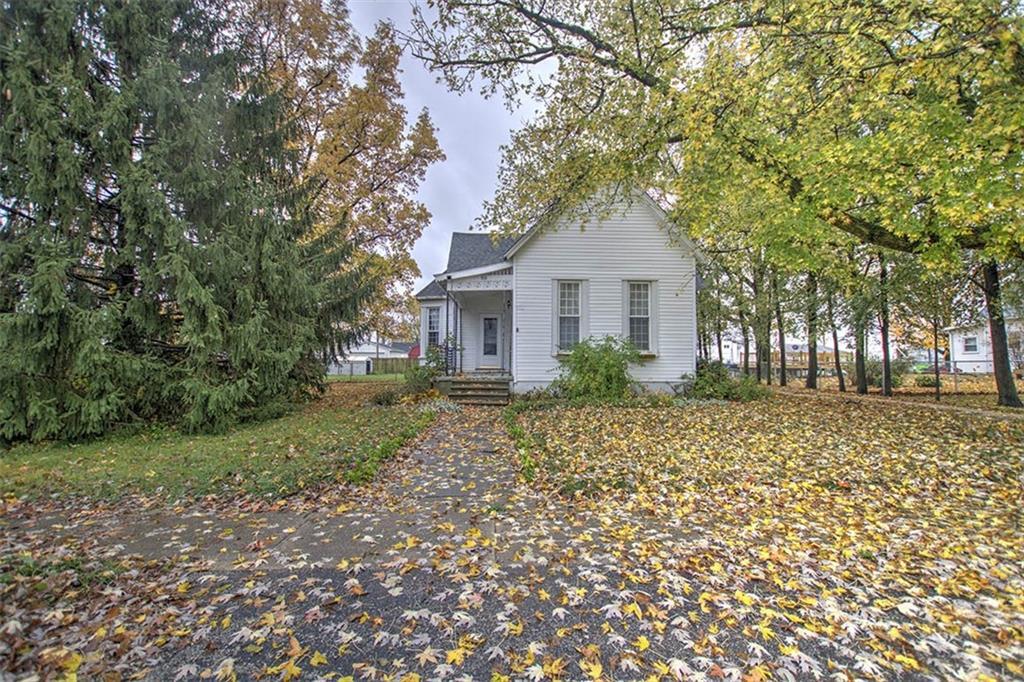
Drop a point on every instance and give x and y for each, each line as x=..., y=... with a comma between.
x=638, y=303
x=433, y=327
x=970, y=344
x=569, y=302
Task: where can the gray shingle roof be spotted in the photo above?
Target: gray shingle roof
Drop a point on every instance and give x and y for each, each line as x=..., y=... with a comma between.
x=432, y=290
x=469, y=250
x=475, y=250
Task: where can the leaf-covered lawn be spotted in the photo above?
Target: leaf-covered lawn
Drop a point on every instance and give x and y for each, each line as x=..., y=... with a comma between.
x=975, y=391
x=342, y=435
x=892, y=534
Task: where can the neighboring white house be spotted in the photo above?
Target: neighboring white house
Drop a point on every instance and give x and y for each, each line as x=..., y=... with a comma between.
x=359, y=358
x=377, y=347
x=515, y=306
x=970, y=346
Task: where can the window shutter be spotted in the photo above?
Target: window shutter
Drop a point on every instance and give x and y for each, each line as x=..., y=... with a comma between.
x=554, y=317
x=653, y=301
x=584, y=309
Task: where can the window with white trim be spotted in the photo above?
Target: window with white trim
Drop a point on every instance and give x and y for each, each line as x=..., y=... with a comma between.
x=639, y=314
x=569, y=314
x=970, y=344
x=433, y=327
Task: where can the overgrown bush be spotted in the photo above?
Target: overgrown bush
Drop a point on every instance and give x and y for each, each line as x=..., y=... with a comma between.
x=388, y=397
x=597, y=370
x=898, y=367
x=873, y=371
x=420, y=378
x=713, y=382
x=926, y=381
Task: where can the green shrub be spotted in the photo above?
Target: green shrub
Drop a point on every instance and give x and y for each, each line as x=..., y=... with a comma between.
x=873, y=371
x=926, y=381
x=420, y=378
x=873, y=367
x=598, y=370
x=747, y=389
x=713, y=382
x=388, y=397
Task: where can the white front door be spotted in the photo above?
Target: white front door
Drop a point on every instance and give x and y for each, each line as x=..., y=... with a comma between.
x=490, y=339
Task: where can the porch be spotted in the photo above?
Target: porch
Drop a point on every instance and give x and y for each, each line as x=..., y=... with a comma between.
x=478, y=311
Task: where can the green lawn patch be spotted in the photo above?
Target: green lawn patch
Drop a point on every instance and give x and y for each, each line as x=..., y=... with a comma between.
x=342, y=436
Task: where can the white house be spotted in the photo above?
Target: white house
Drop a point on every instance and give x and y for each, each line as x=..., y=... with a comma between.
x=359, y=357
x=970, y=346
x=514, y=306
x=377, y=347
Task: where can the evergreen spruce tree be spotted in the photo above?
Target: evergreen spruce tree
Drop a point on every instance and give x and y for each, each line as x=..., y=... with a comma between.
x=156, y=254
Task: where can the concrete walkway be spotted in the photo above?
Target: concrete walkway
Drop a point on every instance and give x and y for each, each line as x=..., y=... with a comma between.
x=448, y=568
x=450, y=555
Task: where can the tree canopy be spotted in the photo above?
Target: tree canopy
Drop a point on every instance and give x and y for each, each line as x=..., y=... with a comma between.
x=186, y=228
x=788, y=132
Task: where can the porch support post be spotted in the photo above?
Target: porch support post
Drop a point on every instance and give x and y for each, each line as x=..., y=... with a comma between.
x=447, y=316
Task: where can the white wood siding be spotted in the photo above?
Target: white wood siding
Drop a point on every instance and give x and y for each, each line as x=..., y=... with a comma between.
x=476, y=306
x=628, y=245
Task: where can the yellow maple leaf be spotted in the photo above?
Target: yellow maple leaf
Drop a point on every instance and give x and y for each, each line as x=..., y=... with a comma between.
x=744, y=598
x=592, y=670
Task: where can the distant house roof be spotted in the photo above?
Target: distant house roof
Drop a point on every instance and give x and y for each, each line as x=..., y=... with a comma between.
x=475, y=250
x=432, y=290
x=1011, y=316
x=402, y=346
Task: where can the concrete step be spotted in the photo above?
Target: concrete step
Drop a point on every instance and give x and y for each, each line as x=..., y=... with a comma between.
x=480, y=400
x=477, y=388
x=480, y=390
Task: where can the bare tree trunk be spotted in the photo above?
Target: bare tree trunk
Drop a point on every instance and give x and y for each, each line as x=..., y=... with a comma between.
x=812, y=331
x=781, y=332
x=835, y=344
x=745, y=331
x=997, y=329
x=935, y=356
x=718, y=327
x=883, y=309
x=860, y=368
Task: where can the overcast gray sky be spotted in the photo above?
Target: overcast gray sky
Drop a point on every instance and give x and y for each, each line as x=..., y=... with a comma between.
x=470, y=130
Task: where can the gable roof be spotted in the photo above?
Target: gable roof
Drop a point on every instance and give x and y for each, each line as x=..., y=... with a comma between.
x=432, y=290
x=470, y=250
x=645, y=198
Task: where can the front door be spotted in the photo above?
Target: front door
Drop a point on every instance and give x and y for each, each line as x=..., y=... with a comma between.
x=491, y=341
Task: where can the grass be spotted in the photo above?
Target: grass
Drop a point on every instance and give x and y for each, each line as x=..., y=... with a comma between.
x=340, y=436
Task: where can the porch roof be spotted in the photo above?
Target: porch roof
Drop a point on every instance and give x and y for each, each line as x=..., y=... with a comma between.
x=432, y=290
x=471, y=250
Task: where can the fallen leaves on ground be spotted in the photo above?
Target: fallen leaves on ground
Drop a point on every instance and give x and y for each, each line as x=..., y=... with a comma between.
x=892, y=537
x=785, y=539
